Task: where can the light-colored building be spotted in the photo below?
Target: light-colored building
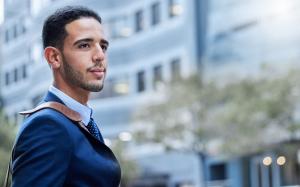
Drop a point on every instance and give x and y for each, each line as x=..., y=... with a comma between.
x=244, y=35
x=151, y=41
x=244, y=38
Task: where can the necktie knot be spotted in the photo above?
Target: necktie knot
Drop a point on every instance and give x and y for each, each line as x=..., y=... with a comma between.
x=93, y=128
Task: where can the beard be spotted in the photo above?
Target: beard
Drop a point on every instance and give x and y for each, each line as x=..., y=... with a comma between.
x=77, y=78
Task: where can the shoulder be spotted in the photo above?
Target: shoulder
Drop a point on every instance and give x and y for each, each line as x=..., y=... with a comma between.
x=46, y=116
x=46, y=128
x=46, y=122
x=42, y=137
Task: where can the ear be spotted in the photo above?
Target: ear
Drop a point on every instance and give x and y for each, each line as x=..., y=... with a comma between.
x=53, y=57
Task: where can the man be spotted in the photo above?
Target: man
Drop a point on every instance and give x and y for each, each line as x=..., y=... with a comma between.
x=52, y=148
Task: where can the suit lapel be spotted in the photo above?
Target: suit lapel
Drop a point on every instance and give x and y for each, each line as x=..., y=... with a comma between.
x=52, y=97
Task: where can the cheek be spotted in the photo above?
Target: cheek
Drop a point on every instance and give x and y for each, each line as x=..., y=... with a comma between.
x=105, y=63
x=78, y=56
x=78, y=62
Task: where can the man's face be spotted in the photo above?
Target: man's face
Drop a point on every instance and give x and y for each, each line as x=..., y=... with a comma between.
x=84, y=59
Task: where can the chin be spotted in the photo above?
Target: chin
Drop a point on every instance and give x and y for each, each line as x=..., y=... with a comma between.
x=92, y=87
x=97, y=88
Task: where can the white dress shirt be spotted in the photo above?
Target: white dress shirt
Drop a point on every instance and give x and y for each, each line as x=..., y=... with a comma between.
x=83, y=110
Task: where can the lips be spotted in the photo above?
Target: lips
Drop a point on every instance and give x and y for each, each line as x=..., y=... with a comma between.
x=97, y=71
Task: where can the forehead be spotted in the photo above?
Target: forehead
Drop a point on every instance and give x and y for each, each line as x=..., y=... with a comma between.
x=84, y=27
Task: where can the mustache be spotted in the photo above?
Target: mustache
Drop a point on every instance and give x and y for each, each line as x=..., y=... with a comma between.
x=97, y=67
x=98, y=64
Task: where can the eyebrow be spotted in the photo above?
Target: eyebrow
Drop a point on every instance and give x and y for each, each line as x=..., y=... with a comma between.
x=90, y=40
x=105, y=42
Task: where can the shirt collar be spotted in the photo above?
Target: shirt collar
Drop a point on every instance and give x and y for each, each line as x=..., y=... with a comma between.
x=84, y=111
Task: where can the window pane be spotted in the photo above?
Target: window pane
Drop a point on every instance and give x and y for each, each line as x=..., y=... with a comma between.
x=113, y=87
x=120, y=87
x=175, y=68
x=139, y=21
x=24, y=71
x=175, y=8
x=155, y=11
x=141, y=81
x=16, y=75
x=157, y=76
x=120, y=27
x=7, y=36
x=23, y=29
x=218, y=172
x=15, y=31
x=7, y=81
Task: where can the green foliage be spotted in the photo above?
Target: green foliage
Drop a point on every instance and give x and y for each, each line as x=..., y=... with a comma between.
x=236, y=118
x=7, y=135
x=128, y=165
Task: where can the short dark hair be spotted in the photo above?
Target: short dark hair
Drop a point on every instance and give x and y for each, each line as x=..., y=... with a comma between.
x=54, y=31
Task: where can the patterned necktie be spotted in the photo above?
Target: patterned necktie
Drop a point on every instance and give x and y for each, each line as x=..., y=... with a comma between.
x=93, y=128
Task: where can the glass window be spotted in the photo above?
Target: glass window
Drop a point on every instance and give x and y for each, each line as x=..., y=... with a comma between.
x=112, y=26
x=218, y=172
x=15, y=31
x=116, y=86
x=157, y=76
x=7, y=81
x=155, y=12
x=24, y=71
x=7, y=36
x=175, y=8
x=121, y=87
x=16, y=75
x=23, y=29
x=139, y=21
x=289, y=168
x=175, y=68
x=120, y=27
x=141, y=82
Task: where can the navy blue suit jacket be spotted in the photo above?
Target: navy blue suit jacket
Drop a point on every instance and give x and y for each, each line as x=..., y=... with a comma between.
x=51, y=150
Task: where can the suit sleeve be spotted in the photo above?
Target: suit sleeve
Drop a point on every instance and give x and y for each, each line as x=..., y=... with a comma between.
x=42, y=154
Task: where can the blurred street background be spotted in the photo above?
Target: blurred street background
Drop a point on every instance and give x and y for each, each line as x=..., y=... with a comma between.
x=199, y=93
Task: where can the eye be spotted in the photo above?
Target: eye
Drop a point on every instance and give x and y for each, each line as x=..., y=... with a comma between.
x=83, y=45
x=104, y=47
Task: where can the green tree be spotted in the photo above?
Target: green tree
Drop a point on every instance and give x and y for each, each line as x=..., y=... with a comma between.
x=7, y=135
x=128, y=165
x=236, y=117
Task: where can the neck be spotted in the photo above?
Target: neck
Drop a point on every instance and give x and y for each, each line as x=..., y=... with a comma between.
x=78, y=94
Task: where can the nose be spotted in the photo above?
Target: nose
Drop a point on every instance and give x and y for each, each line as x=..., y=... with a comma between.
x=98, y=55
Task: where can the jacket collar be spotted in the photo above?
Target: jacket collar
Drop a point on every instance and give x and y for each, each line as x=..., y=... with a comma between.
x=51, y=97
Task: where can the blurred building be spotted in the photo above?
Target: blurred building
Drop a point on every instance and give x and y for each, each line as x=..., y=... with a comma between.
x=245, y=36
x=151, y=43
x=277, y=166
